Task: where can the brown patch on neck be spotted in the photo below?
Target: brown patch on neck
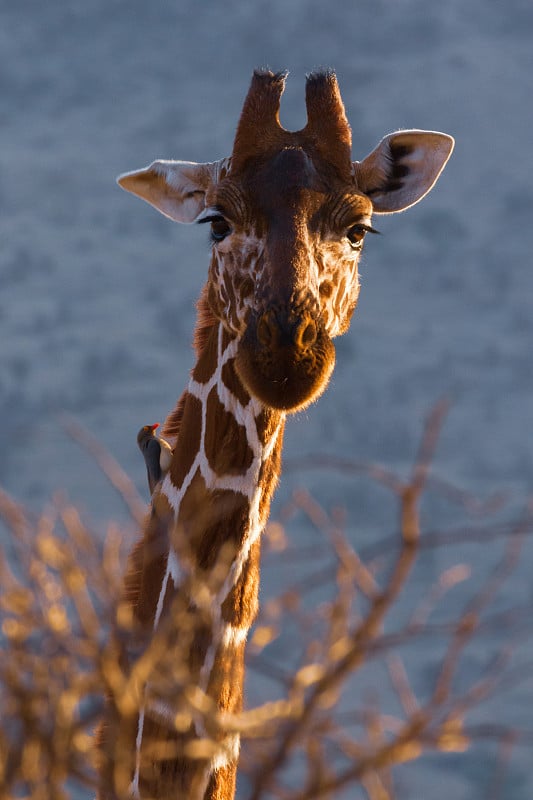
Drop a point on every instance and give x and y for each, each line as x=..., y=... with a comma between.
x=165, y=770
x=211, y=524
x=208, y=358
x=233, y=383
x=268, y=477
x=241, y=605
x=147, y=564
x=226, y=443
x=267, y=422
x=188, y=443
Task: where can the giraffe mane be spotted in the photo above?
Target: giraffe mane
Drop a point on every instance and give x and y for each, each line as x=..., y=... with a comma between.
x=205, y=322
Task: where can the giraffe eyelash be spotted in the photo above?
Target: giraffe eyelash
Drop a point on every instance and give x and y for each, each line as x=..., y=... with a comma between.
x=211, y=218
x=220, y=227
x=361, y=227
x=356, y=234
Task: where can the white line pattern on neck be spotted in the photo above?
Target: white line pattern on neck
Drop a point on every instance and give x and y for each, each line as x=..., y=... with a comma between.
x=224, y=635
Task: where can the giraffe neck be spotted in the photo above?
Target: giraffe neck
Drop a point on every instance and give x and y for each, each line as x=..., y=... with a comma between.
x=210, y=511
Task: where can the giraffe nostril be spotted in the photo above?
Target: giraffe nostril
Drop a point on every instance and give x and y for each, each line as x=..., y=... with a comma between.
x=305, y=334
x=266, y=330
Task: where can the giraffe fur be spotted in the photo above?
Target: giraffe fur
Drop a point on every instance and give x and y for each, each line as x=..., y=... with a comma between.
x=288, y=212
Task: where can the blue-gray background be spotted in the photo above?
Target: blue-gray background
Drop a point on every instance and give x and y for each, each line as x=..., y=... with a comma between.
x=98, y=290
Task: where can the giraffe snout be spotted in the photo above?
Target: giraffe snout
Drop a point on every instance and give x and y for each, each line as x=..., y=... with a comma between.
x=279, y=329
x=285, y=357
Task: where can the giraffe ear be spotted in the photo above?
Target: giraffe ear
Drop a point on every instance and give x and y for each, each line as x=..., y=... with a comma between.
x=176, y=188
x=402, y=169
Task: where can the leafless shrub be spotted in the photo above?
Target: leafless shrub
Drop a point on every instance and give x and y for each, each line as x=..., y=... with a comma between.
x=340, y=711
x=55, y=606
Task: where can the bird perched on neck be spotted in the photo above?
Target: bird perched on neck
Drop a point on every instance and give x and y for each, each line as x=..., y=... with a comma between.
x=157, y=454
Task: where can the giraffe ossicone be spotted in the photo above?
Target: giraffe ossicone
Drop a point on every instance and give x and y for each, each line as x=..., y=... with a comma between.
x=288, y=212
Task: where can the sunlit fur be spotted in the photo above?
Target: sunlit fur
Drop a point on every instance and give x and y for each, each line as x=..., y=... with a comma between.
x=289, y=212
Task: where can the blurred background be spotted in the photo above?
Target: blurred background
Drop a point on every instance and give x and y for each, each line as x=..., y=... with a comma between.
x=98, y=289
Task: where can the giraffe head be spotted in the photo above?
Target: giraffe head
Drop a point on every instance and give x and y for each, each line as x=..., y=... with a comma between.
x=289, y=212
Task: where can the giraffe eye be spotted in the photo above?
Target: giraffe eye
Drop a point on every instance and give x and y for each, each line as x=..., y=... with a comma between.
x=355, y=236
x=219, y=228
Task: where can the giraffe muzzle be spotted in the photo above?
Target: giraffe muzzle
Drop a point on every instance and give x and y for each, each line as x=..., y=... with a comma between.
x=285, y=359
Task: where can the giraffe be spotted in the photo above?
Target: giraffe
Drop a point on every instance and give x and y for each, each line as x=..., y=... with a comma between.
x=288, y=214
